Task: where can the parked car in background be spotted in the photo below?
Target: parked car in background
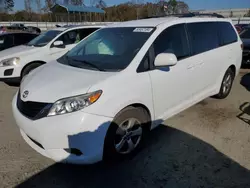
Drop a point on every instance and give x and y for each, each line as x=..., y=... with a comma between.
x=241, y=27
x=22, y=27
x=238, y=28
x=16, y=26
x=245, y=37
x=19, y=61
x=65, y=25
x=32, y=29
x=3, y=29
x=8, y=40
x=100, y=99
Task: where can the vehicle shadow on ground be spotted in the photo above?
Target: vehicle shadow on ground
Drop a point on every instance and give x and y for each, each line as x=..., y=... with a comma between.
x=245, y=66
x=245, y=81
x=172, y=158
x=245, y=112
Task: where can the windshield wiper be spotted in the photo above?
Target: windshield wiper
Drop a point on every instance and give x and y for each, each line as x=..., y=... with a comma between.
x=87, y=63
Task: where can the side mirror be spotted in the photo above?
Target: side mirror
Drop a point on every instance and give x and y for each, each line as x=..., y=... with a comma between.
x=58, y=44
x=165, y=59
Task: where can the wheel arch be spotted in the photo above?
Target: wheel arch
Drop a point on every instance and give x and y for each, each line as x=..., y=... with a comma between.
x=32, y=62
x=139, y=105
x=233, y=68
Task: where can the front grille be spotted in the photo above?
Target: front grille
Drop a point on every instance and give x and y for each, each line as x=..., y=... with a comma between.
x=33, y=110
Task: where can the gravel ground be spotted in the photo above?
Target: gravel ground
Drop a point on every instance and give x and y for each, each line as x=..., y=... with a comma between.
x=207, y=145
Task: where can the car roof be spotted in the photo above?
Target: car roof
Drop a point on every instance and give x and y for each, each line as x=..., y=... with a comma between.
x=154, y=22
x=151, y=22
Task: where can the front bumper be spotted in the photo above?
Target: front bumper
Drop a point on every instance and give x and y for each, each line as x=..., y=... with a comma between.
x=10, y=74
x=54, y=136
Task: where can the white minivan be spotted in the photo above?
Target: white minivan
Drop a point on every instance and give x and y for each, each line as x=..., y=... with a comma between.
x=18, y=61
x=100, y=99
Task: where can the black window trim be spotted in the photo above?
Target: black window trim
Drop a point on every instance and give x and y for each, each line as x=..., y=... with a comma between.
x=151, y=56
x=219, y=34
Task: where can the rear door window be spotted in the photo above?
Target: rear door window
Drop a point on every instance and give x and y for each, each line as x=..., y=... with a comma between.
x=203, y=36
x=227, y=33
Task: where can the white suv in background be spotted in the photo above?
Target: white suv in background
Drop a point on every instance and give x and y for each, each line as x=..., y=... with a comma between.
x=100, y=99
x=18, y=61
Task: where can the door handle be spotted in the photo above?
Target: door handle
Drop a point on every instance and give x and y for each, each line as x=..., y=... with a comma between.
x=194, y=65
x=191, y=67
x=201, y=63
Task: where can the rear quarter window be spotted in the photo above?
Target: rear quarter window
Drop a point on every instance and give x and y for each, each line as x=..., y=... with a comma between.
x=227, y=33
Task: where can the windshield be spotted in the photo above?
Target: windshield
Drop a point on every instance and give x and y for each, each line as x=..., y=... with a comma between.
x=108, y=49
x=44, y=38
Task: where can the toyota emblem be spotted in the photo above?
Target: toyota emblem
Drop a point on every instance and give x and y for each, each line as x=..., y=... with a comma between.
x=25, y=94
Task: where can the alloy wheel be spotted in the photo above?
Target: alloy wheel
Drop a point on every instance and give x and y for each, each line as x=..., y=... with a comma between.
x=227, y=83
x=128, y=136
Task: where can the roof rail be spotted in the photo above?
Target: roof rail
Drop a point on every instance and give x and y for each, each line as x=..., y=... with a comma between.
x=190, y=14
x=209, y=14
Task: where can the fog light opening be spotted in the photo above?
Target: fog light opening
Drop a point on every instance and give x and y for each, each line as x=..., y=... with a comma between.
x=73, y=151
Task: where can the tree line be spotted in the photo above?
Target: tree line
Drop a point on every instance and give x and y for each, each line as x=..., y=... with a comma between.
x=133, y=9
x=122, y=12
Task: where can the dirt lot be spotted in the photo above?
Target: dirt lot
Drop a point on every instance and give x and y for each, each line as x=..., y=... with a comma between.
x=207, y=145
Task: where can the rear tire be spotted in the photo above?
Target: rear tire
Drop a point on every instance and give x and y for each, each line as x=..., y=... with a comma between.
x=123, y=140
x=226, y=84
x=29, y=68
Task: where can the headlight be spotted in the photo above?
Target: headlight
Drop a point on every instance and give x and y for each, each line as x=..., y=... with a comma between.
x=72, y=104
x=10, y=62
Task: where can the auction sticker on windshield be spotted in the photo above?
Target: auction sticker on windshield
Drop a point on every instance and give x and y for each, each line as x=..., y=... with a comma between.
x=143, y=30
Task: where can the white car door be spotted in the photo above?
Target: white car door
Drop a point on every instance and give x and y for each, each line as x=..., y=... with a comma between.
x=172, y=86
x=205, y=43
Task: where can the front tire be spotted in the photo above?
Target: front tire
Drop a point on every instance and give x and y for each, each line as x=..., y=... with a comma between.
x=226, y=84
x=126, y=134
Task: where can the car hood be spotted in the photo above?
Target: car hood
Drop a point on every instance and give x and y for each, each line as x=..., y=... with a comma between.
x=55, y=81
x=246, y=42
x=18, y=51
